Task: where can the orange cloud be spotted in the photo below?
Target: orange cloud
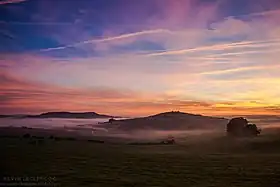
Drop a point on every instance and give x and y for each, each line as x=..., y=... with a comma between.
x=20, y=96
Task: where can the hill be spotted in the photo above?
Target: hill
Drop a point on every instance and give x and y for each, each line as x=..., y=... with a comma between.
x=5, y=116
x=170, y=121
x=78, y=115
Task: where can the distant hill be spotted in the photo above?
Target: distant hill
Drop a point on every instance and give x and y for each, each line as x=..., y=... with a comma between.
x=79, y=115
x=170, y=121
x=5, y=116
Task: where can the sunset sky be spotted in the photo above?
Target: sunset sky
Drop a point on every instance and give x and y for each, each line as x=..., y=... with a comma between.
x=140, y=57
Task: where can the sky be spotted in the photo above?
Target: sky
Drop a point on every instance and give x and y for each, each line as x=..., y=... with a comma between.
x=136, y=58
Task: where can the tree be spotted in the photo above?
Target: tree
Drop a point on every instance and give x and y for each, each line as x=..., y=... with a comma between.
x=235, y=126
x=240, y=127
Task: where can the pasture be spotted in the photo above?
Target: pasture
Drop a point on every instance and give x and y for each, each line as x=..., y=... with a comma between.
x=202, y=162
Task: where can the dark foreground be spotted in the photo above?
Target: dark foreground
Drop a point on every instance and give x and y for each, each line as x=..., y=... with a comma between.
x=218, y=162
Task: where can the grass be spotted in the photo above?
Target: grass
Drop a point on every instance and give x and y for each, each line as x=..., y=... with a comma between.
x=219, y=162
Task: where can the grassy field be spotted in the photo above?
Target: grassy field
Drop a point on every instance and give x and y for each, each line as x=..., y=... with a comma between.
x=213, y=162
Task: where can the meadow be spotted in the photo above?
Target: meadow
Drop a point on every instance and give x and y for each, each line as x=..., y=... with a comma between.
x=193, y=161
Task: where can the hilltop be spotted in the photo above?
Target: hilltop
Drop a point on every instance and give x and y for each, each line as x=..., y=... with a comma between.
x=170, y=121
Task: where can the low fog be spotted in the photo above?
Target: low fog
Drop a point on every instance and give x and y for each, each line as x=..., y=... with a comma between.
x=95, y=128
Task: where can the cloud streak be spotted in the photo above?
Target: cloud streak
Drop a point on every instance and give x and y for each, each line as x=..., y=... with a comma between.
x=4, y=2
x=262, y=13
x=220, y=47
x=109, y=39
x=37, y=23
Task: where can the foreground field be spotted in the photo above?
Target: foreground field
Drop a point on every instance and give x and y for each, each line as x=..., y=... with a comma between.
x=217, y=162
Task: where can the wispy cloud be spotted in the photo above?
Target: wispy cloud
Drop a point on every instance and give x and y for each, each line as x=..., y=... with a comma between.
x=37, y=23
x=3, y=2
x=229, y=27
x=262, y=13
x=244, y=44
x=109, y=39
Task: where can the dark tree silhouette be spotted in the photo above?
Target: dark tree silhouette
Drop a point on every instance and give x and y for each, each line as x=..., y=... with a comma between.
x=236, y=126
x=240, y=127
